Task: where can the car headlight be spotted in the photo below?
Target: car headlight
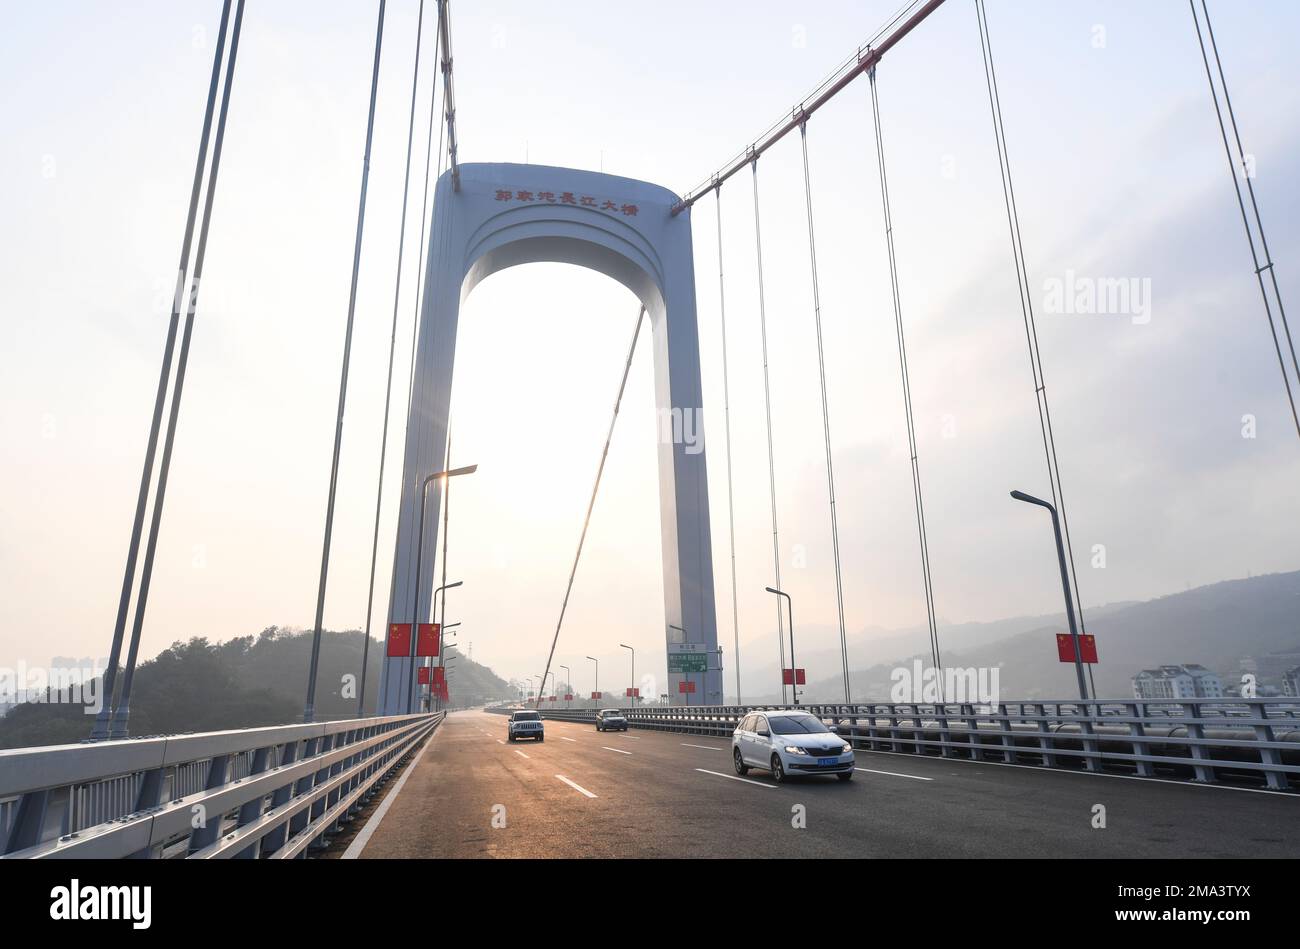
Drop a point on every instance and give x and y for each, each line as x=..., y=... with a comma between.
x=848, y=750
x=791, y=749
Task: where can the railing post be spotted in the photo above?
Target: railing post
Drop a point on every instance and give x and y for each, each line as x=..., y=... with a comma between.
x=1045, y=742
x=1137, y=728
x=1003, y=719
x=1268, y=757
x=1196, y=734
x=1088, y=712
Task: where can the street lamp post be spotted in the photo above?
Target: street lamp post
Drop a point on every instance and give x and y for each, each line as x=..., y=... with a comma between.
x=1065, y=584
x=595, y=688
x=419, y=553
x=415, y=628
x=633, y=651
x=789, y=610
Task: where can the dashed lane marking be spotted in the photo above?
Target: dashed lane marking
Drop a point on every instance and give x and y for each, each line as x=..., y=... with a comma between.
x=577, y=787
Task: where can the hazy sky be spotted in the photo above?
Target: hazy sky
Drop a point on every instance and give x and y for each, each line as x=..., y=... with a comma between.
x=1119, y=173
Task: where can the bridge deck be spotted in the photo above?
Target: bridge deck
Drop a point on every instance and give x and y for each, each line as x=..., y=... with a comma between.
x=652, y=800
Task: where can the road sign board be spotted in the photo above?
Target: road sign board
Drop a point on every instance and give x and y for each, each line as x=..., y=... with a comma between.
x=686, y=662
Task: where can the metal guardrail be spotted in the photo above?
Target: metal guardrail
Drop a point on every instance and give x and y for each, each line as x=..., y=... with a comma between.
x=1260, y=737
x=252, y=793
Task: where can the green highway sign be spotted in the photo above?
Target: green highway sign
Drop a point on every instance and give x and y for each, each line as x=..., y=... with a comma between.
x=686, y=662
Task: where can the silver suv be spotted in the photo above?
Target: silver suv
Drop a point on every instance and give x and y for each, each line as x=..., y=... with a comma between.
x=525, y=724
x=610, y=720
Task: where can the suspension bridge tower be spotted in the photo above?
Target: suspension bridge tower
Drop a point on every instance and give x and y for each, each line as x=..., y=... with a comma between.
x=491, y=216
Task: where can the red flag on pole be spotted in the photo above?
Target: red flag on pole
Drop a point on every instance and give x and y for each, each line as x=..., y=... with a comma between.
x=439, y=675
x=426, y=641
x=399, y=639
x=424, y=675
x=1064, y=647
x=1088, y=647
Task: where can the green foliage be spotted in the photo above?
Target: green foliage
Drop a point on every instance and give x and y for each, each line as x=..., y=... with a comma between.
x=240, y=683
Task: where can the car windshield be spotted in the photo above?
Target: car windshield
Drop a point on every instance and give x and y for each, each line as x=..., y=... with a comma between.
x=610, y=711
x=798, y=725
x=526, y=716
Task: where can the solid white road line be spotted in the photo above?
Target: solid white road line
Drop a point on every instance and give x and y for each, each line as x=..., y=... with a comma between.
x=687, y=744
x=577, y=787
x=896, y=774
x=501, y=741
x=520, y=753
x=735, y=777
x=619, y=750
x=567, y=738
x=360, y=840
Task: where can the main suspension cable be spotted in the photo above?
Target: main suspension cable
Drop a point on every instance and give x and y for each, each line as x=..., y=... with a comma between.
x=826, y=415
x=1259, y=224
x=392, y=352
x=100, y=730
x=586, y=521
x=922, y=534
x=767, y=409
x=726, y=414
x=309, y=710
x=1026, y=301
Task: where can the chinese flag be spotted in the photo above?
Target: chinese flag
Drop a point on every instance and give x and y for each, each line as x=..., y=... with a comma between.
x=426, y=641
x=399, y=639
x=1088, y=647
x=1064, y=647
x=787, y=677
x=439, y=675
x=799, y=677
x=424, y=675
x=568, y=698
x=595, y=696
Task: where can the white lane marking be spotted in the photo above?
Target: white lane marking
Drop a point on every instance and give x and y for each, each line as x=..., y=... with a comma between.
x=577, y=787
x=567, y=738
x=520, y=753
x=359, y=842
x=1100, y=774
x=734, y=777
x=896, y=774
x=687, y=744
x=619, y=750
x=501, y=741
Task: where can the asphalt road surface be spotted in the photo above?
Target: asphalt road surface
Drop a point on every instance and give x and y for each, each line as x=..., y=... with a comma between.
x=584, y=793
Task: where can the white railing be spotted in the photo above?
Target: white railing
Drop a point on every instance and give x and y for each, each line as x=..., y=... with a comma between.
x=259, y=792
x=1259, y=737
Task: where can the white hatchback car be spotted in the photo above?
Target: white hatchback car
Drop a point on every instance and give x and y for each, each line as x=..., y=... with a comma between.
x=790, y=743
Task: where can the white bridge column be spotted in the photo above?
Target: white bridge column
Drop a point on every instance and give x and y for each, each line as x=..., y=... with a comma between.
x=507, y=214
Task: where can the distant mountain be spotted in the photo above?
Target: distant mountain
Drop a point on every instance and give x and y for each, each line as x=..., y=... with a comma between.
x=1215, y=625
x=240, y=683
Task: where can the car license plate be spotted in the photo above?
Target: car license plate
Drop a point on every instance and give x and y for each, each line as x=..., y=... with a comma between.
x=826, y=761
